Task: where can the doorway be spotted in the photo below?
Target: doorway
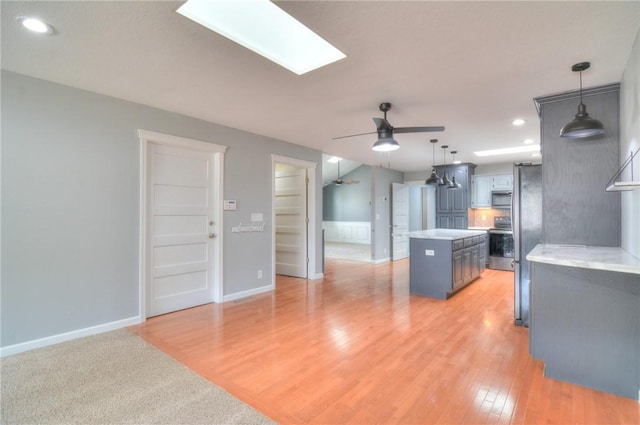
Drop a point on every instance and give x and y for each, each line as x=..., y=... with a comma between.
x=294, y=222
x=180, y=222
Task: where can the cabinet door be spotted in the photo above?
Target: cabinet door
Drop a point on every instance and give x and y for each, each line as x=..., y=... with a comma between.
x=483, y=256
x=475, y=261
x=466, y=265
x=443, y=201
x=458, y=268
x=502, y=182
x=459, y=197
x=459, y=221
x=481, y=192
x=444, y=221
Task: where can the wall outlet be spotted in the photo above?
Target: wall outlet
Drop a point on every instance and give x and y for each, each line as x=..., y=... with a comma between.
x=259, y=274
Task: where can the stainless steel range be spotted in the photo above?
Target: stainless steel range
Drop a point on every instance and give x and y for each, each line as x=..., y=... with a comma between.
x=501, y=244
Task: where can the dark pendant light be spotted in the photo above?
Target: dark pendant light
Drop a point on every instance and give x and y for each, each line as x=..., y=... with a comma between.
x=582, y=125
x=454, y=184
x=445, y=177
x=434, y=179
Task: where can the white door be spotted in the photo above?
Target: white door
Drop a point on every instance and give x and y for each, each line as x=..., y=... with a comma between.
x=291, y=220
x=400, y=220
x=180, y=208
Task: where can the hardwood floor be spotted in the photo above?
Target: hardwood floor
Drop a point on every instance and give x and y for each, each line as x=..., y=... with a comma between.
x=355, y=347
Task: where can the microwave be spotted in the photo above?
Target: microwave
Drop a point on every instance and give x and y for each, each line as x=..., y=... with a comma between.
x=501, y=199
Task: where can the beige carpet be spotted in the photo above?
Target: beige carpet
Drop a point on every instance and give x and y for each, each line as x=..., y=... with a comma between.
x=112, y=378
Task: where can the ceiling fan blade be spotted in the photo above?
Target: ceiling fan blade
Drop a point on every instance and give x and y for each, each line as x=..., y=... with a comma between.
x=417, y=129
x=382, y=124
x=354, y=135
x=349, y=181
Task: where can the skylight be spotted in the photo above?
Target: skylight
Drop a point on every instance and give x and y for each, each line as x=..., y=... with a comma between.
x=504, y=151
x=264, y=28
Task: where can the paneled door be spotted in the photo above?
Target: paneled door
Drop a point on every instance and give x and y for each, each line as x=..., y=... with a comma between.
x=181, y=248
x=400, y=220
x=291, y=220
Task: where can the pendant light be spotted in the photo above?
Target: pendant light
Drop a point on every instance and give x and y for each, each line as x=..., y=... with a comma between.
x=454, y=184
x=445, y=177
x=582, y=125
x=434, y=179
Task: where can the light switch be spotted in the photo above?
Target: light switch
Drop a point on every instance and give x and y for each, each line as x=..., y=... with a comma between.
x=229, y=205
x=429, y=252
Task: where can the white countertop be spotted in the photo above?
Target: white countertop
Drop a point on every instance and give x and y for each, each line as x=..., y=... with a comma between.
x=445, y=234
x=587, y=257
x=478, y=228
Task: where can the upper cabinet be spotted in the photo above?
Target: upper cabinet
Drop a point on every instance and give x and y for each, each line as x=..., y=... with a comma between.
x=483, y=185
x=481, y=191
x=502, y=182
x=452, y=204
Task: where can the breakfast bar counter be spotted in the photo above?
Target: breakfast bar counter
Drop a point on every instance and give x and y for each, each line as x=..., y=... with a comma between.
x=585, y=316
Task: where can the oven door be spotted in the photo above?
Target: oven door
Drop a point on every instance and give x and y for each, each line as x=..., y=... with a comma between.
x=501, y=249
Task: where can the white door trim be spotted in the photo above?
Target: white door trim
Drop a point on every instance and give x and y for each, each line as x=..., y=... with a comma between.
x=146, y=137
x=312, y=271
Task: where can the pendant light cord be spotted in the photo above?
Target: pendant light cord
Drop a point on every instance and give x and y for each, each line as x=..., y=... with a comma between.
x=581, y=87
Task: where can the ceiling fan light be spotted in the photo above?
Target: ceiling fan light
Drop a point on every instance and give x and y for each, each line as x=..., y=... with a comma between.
x=582, y=125
x=386, y=144
x=434, y=179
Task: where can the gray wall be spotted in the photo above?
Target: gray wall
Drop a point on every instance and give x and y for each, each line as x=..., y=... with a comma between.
x=630, y=141
x=576, y=208
x=381, y=211
x=70, y=205
x=349, y=202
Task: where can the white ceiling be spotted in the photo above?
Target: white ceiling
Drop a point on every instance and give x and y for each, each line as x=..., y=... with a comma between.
x=470, y=66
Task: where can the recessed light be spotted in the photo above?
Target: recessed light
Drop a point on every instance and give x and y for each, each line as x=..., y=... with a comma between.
x=261, y=26
x=334, y=159
x=535, y=155
x=457, y=161
x=528, y=141
x=518, y=122
x=35, y=25
x=505, y=151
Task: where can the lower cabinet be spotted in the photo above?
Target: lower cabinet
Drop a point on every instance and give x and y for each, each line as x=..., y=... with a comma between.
x=439, y=268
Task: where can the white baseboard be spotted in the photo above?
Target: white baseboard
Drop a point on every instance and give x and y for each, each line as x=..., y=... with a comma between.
x=248, y=293
x=381, y=260
x=316, y=276
x=68, y=336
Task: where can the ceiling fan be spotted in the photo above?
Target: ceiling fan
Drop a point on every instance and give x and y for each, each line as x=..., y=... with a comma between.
x=385, y=131
x=340, y=181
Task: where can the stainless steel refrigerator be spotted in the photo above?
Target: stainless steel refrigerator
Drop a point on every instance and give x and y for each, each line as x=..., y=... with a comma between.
x=526, y=220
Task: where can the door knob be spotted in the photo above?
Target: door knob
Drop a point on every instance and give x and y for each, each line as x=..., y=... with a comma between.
x=211, y=236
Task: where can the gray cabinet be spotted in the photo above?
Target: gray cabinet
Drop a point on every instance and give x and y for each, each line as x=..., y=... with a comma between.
x=452, y=204
x=439, y=268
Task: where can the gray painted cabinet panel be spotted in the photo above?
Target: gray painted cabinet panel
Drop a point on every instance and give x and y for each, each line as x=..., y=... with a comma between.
x=585, y=327
x=576, y=208
x=452, y=205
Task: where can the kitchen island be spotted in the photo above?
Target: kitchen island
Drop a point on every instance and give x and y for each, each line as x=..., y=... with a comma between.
x=443, y=261
x=585, y=316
